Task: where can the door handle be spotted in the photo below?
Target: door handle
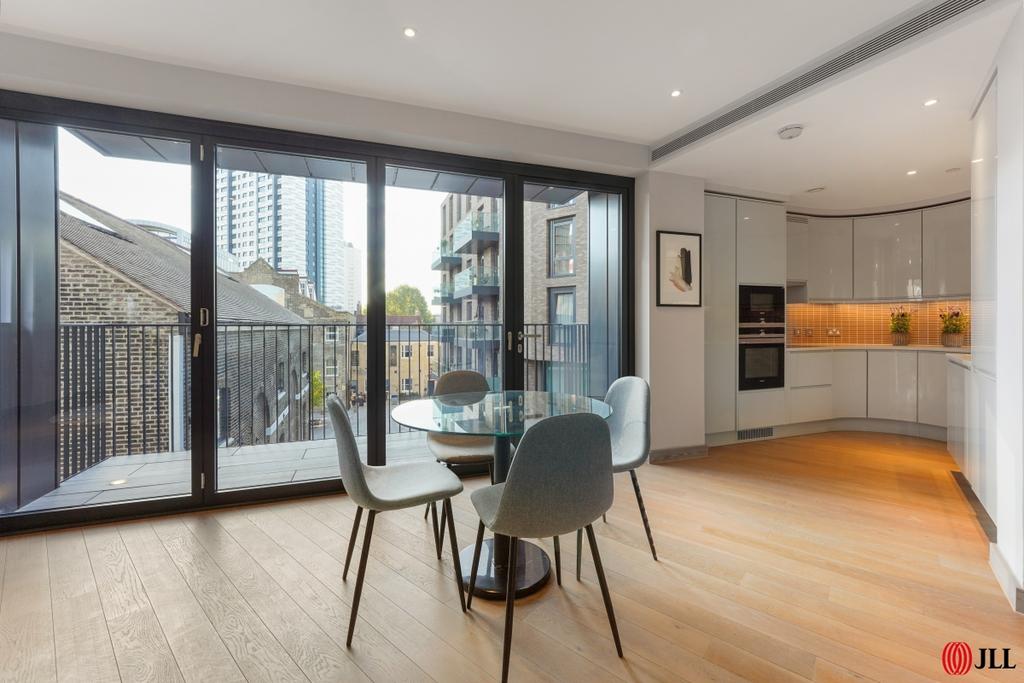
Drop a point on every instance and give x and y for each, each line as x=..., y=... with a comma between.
x=508, y=336
x=528, y=336
x=204, y=317
x=196, y=341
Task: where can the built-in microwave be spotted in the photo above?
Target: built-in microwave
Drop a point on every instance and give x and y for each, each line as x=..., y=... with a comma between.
x=762, y=362
x=761, y=304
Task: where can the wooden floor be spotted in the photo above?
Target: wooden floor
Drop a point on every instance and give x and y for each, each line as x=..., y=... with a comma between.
x=835, y=557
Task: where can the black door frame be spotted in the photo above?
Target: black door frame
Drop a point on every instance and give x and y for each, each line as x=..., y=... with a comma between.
x=203, y=134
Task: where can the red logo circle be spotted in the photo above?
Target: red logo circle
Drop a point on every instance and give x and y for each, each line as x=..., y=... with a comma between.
x=956, y=658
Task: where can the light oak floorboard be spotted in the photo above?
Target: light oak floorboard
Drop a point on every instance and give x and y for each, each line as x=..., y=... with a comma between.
x=830, y=558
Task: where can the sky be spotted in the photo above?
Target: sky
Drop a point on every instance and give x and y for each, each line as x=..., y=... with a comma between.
x=160, y=192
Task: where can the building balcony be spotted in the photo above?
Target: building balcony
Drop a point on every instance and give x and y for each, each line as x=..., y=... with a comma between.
x=475, y=232
x=477, y=280
x=444, y=258
x=443, y=294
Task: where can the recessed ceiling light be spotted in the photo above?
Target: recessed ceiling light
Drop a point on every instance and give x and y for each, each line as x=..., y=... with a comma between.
x=978, y=160
x=930, y=103
x=911, y=172
x=676, y=93
x=118, y=482
x=820, y=188
x=409, y=32
x=746, y=218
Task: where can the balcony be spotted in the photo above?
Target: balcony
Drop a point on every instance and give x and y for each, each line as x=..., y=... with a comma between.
x=475, y=232
x=124, y=416
x=443, y=294
x=481, y=281
x=444, y=258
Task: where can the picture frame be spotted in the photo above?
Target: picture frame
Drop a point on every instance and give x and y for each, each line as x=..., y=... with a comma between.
x=679, y=269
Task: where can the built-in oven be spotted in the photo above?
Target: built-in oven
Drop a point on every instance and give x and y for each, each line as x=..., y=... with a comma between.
x=762, y=363
x=760, y=304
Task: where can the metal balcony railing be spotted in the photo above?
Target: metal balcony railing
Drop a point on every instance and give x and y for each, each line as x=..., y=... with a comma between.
x=480, y=226
x=126, y=388
x=475, y=276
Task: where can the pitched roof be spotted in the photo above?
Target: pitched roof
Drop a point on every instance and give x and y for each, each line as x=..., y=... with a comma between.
x=159, y=265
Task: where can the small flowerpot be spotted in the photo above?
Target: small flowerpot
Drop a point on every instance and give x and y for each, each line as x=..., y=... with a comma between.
x=952, y=338
x=900, y=338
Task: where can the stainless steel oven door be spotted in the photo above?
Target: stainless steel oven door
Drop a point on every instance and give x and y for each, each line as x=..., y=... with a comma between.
x=762, y=363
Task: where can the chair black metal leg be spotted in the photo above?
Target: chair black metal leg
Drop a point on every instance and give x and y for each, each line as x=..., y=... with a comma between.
x=558, y=562
x=352, y=543
x=604, y=588
x=643, y=513
x=440, y=538
x=359, y=576
x=455, y=551
x=490, y=471
x=476, y=564
x=604, y=518
x=437, y=531
x=426, y=510
x=579, y=553
x=510, y=603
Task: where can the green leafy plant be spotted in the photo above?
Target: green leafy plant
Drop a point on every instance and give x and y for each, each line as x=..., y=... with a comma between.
x=953, y=320
x=899, y=320
x=317, y=388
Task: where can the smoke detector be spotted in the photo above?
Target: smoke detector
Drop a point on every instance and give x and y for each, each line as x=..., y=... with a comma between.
x=791, y=131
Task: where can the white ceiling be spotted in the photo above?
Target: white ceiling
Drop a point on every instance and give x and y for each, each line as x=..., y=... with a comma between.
x=601, y=67
x=864, y=133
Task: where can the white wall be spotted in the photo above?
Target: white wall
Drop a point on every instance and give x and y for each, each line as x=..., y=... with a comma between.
x=46, y=68
x=1008, y=556
x=670, y=341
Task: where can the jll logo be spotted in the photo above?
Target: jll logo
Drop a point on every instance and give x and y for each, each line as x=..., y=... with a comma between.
x=957, y=659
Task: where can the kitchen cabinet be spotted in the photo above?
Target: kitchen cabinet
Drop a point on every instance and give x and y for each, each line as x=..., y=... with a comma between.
x=809, y=404
x=849, y=383
x=830, y=259
x=931, y=388
x=892, y=385
x=720, y=324
x=956, y=411
x=764, y=408
x=946, y=250
x=796, y=248
x=760, y=243
x=808, y=368
x=887, y=256
x=981, y=438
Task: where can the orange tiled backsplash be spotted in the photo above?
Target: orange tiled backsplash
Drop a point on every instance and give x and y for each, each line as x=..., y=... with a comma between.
x=868, y=323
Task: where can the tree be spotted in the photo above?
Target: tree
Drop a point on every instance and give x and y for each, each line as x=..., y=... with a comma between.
x=317, y=389
x=408, y=300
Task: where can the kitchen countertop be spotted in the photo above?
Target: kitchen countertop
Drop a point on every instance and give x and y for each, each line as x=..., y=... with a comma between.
x=963, y=350
x=961, y=359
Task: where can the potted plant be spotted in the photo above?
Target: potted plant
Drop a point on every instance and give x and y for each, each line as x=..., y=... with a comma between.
x=899, y=325
x=954, y=324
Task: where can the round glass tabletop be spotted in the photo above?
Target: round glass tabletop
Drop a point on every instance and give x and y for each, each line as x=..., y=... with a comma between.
x=495, y=413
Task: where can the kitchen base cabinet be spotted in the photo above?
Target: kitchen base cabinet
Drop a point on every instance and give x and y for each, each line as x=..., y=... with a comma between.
x=849, y=384
x=931, y=388
x=764, y=408
x=809, y=404
x=892, y=385
x=956, y=412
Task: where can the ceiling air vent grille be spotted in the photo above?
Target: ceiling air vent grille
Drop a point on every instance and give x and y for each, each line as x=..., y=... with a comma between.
x=757, y=433
x=793, y=218
x=869, y=49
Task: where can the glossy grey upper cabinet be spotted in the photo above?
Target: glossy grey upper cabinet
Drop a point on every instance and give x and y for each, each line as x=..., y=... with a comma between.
x=796, y=248
x=760, y=243
x=829, y=261
x=946, y=250
x=887, y=256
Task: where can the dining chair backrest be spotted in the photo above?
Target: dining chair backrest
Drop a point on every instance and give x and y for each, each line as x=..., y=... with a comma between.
x=352, y=475
x=560, y=479
x=630, y=421
x=460, y=382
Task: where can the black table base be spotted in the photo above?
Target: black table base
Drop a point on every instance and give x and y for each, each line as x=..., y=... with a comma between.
x=533, y=569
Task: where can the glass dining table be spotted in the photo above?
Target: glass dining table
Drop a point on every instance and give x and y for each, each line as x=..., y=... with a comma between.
x=504, y=415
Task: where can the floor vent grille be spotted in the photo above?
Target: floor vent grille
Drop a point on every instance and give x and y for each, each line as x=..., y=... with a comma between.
x=757, y=433
x=886, y=40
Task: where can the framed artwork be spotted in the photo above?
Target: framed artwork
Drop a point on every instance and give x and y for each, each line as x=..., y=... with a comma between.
x=679, y=269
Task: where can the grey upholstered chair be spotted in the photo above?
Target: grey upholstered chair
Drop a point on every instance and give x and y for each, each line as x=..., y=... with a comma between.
x=560, y=481
x=380, y=489
x=630, y=424
x=452, y=449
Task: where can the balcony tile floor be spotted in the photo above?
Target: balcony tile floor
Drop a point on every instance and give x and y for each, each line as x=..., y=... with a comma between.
x=161, y=475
